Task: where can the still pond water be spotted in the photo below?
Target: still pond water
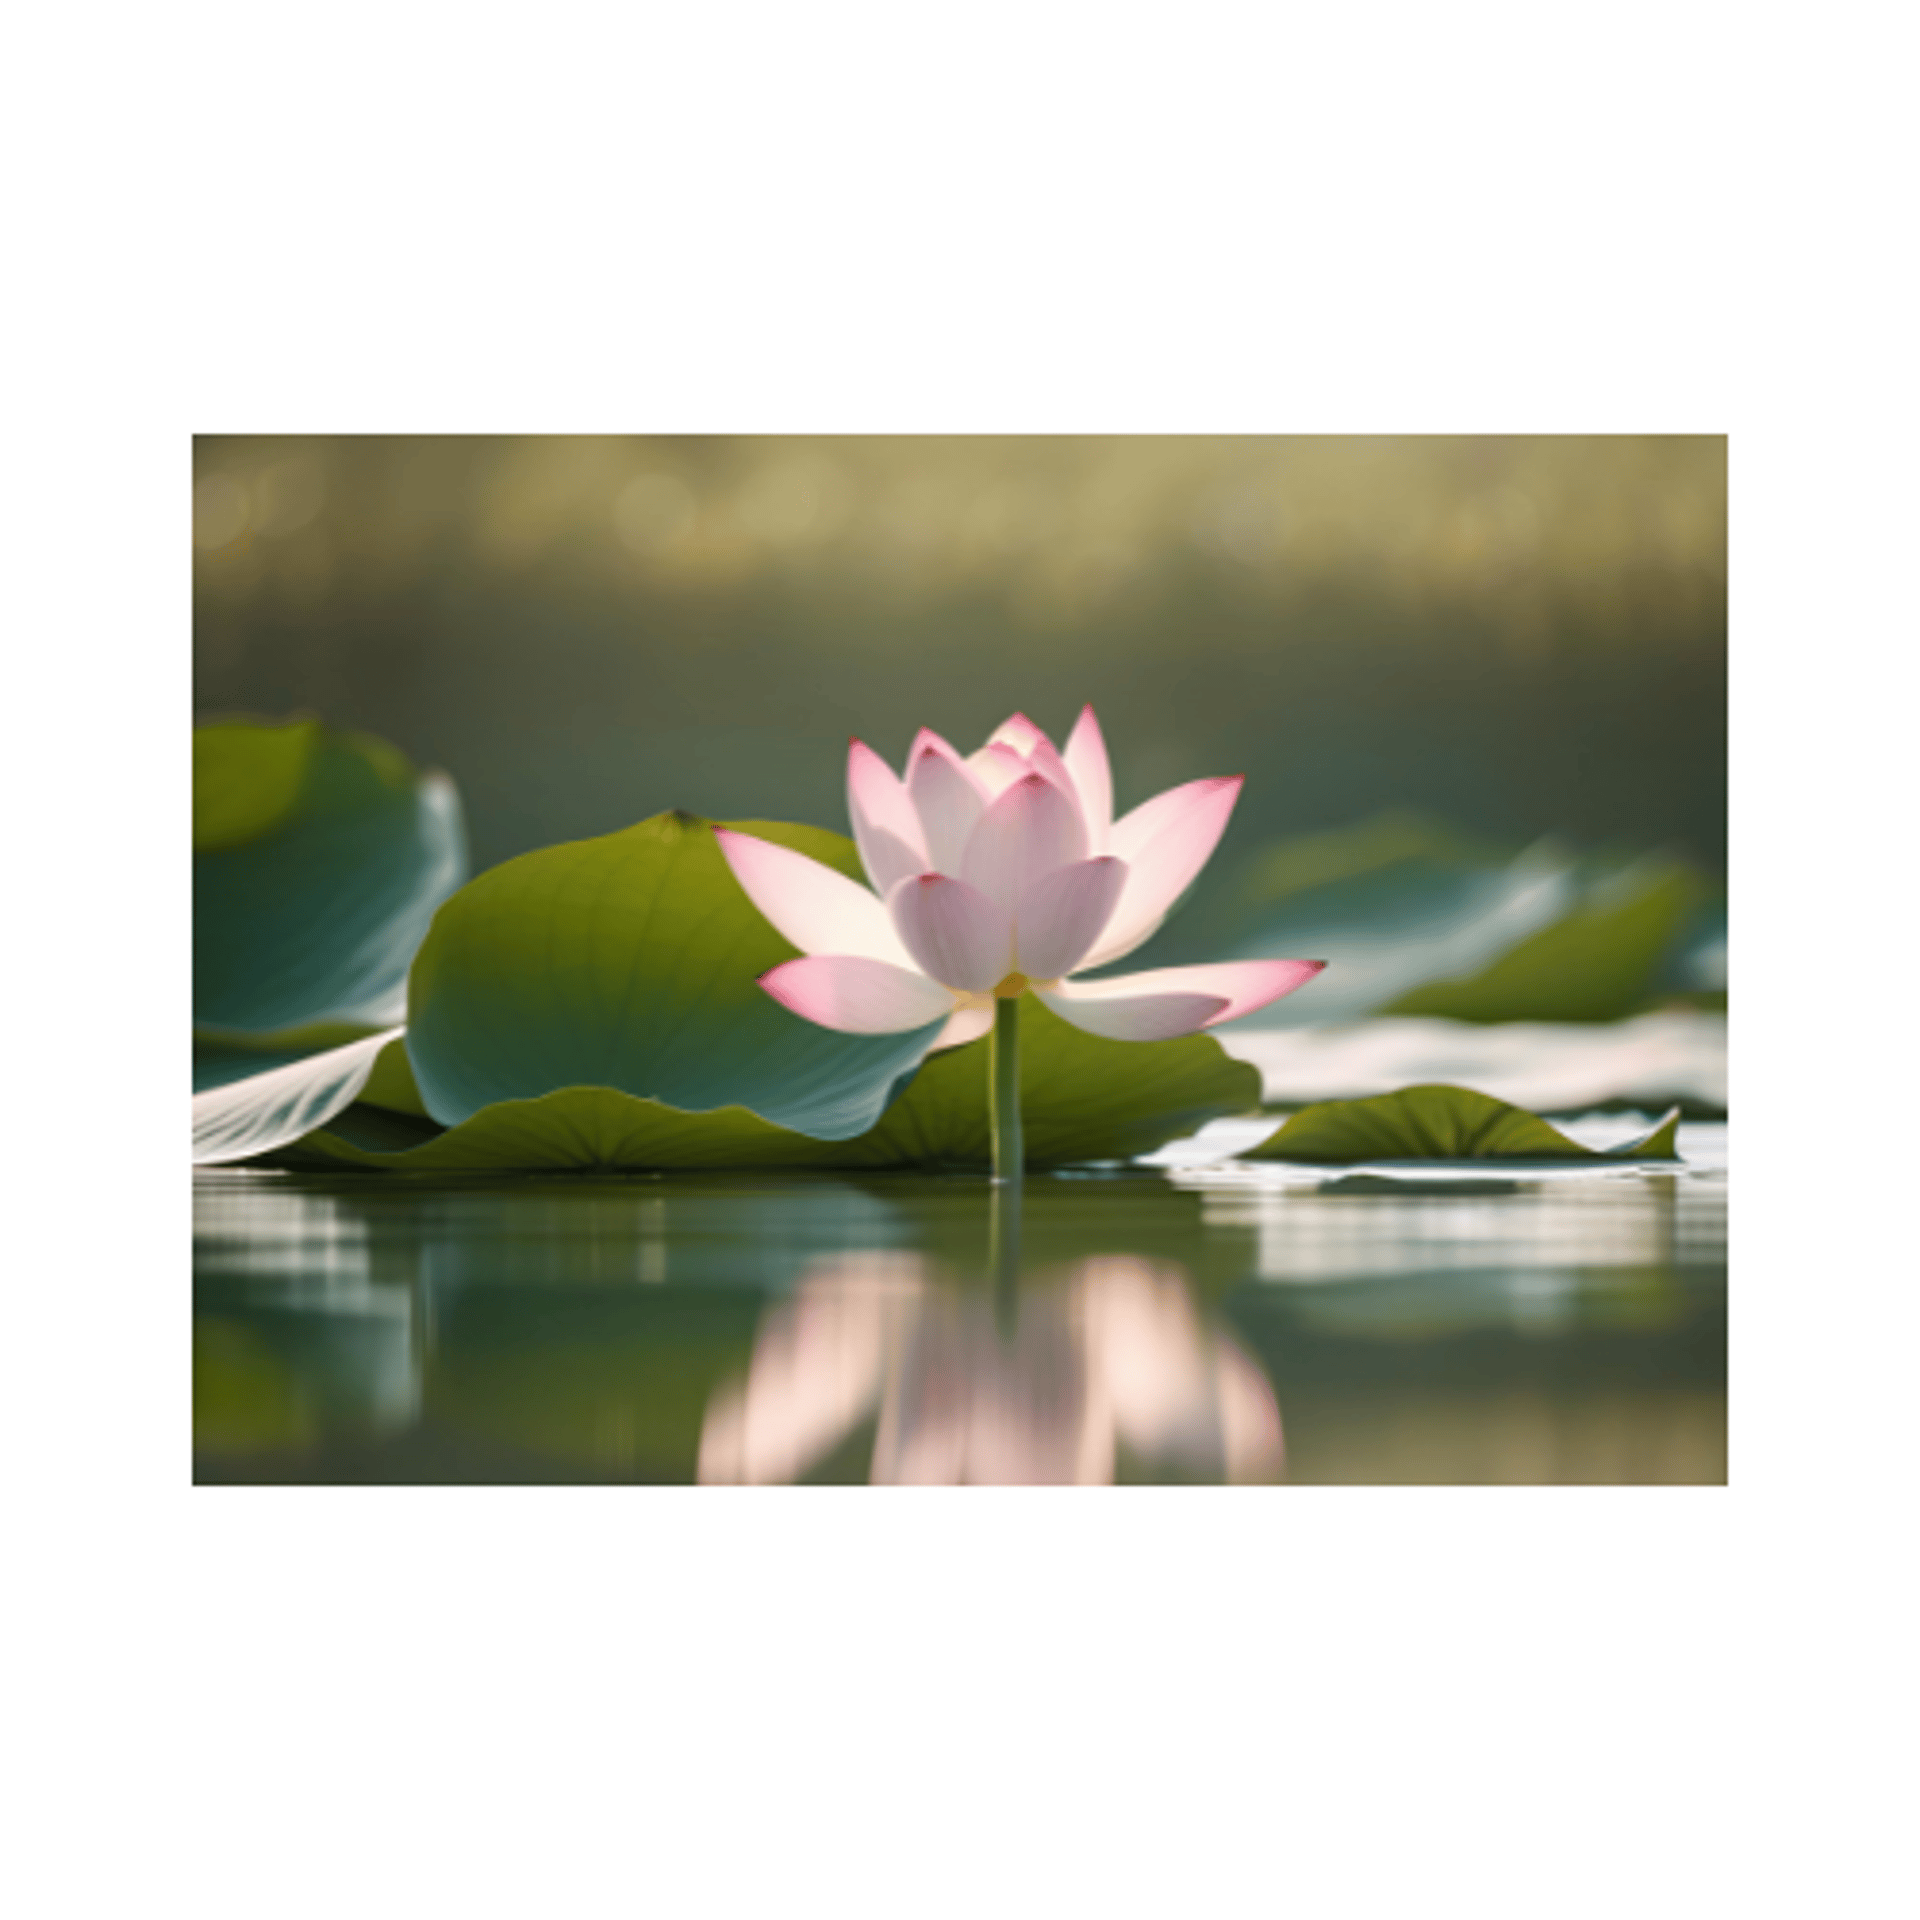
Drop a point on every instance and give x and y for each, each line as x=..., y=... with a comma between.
x=1179, y=1323
x=1183, y=1323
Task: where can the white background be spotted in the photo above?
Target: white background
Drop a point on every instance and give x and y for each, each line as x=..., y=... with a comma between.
x=1033, y=217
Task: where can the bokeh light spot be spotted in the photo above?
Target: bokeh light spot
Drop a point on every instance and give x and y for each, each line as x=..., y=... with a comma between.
x=286, y=496
x=653, y=511
x=797, y=501
x=220, y=509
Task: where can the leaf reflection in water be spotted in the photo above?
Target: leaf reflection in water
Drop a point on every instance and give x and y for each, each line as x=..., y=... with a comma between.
x=1106, y=1371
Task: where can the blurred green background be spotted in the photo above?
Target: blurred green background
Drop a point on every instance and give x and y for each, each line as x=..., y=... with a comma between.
x=1522, y=636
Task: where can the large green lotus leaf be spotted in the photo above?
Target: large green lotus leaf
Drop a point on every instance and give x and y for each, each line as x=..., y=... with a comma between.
x=247, y=778
x=1440, y=1123
x=578, y=1129
x=632, y=962
x=1602, y=961
x=1083, y=1099
x=309, y=910
x=391, y=1084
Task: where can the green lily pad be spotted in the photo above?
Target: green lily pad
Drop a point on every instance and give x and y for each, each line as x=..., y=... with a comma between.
x=392, y=1087
x=319, y=859
x=1390, y=906
x=1601, y=962
x=1083, y=1099
x=1440, y=1123
x=632, y=963
x=247, y=778
x=1417, y=919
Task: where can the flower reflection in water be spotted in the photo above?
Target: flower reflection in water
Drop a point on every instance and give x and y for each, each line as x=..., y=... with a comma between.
x=1107, y=1371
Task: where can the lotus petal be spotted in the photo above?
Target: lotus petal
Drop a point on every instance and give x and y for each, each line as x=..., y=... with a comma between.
x=1086, y=764
x=969, y=1023
x=996, y=768
x=1164, y=842
x=955, y=934
x=889, y=860
x=853, y=994
x=1242, y=986
x=947, y=799
x=1031, y=830
x=1045, y=759
x=1147, y=1016
x=819, y=910
x=886, y=825
x=1061, y=914
x=927, y=740
x=1019, y=733
x=1022, y=738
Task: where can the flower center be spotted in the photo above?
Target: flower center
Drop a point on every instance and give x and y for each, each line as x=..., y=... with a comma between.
x=1011, y=988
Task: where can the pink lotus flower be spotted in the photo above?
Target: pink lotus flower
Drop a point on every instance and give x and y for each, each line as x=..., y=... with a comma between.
x=995, y=875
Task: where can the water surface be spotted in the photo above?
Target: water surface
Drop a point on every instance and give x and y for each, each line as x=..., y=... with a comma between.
x=1190, y=1323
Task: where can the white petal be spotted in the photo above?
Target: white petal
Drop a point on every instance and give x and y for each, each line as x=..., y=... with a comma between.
x=1019, y=733
x=1061, y=914
x=1147, y=1016
x=1247, y=985
x=819, y=910
x=1032, y=829
x=889, y=860
x=969, y=1023
x=1000, y=763
x=1045, y=759
x=852, y=994
x=947, y=800
x=1241, y=986
x=886, y=828
x=1086, y=761
x=1164, y=843
x=996, y=767
x=954, y=932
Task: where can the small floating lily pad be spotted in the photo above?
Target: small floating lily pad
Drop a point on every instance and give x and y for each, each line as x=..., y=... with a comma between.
x=1441, y=1123
x=1602, y=961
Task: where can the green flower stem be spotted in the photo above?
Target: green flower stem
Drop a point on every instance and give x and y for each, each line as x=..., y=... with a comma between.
x=1003, y=1092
